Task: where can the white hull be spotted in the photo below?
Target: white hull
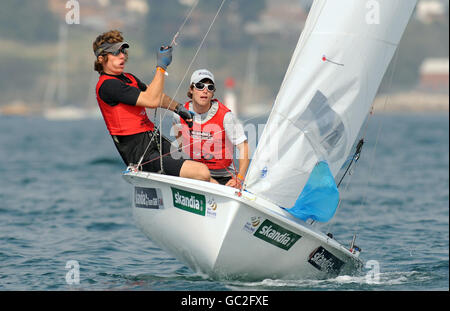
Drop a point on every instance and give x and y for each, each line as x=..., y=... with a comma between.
x=228, y=236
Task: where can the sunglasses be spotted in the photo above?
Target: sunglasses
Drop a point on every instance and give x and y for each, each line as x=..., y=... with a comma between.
x=117, y=52
x=201, y=86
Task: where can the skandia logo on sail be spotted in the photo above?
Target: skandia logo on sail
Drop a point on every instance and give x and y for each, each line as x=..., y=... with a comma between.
x=189, y=201
x=276, y=235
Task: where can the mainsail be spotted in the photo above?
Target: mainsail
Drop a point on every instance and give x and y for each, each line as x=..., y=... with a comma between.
x=331, y=82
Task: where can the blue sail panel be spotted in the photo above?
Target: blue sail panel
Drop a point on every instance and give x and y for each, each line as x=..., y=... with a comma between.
x=320, y=196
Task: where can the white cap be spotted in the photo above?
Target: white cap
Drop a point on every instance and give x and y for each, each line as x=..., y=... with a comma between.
x=201, y=74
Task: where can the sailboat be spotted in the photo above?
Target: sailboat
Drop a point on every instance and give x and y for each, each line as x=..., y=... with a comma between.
x=55, y=96
x=268, y=228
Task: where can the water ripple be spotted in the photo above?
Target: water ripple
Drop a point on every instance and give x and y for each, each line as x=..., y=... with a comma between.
x=64, y=201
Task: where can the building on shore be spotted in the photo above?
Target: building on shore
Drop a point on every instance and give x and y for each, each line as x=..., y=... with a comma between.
x=100, y=15
x=431, y=10
x=285, y=19
x=434, y=75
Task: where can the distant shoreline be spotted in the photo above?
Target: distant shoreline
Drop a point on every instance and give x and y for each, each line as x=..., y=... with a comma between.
x=408, y=102
x=412, y=102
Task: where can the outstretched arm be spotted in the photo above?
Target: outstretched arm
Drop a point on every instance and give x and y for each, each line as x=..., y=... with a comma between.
x=153, y=96
x=243, y=166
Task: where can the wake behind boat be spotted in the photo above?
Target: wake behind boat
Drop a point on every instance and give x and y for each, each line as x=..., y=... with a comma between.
x=264, y=230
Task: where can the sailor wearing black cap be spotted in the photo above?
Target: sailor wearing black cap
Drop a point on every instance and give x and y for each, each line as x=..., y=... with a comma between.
x=122, y=99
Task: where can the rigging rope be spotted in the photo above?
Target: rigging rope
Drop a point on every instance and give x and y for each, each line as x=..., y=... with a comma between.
x=194, y=5
x=371, y=166
x=372, y=161
x=184, y=76
x=190, y=65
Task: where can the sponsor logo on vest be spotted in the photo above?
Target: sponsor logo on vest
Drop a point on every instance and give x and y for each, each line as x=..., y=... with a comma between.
x=189, y=201
x=276, y=235
x=201, y=135
x=148, y=198
x=323, y=260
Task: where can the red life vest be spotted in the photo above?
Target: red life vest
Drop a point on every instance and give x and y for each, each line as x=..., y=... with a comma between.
x=208, y=142
x=123, y=119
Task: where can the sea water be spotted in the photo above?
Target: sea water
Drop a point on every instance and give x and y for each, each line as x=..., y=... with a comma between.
x=66, y=221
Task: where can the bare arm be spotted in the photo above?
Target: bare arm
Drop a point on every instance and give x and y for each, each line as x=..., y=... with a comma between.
x=153, y=96
x=168, y=103
x=178, y=135
x=244, y=162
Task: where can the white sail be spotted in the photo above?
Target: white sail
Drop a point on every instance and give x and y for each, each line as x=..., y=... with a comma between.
x=329, y=87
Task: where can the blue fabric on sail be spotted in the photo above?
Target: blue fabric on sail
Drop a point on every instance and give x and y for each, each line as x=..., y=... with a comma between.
x=320, y=196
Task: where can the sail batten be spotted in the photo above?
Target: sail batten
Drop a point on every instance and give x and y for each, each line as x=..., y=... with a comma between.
x=326, y=94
